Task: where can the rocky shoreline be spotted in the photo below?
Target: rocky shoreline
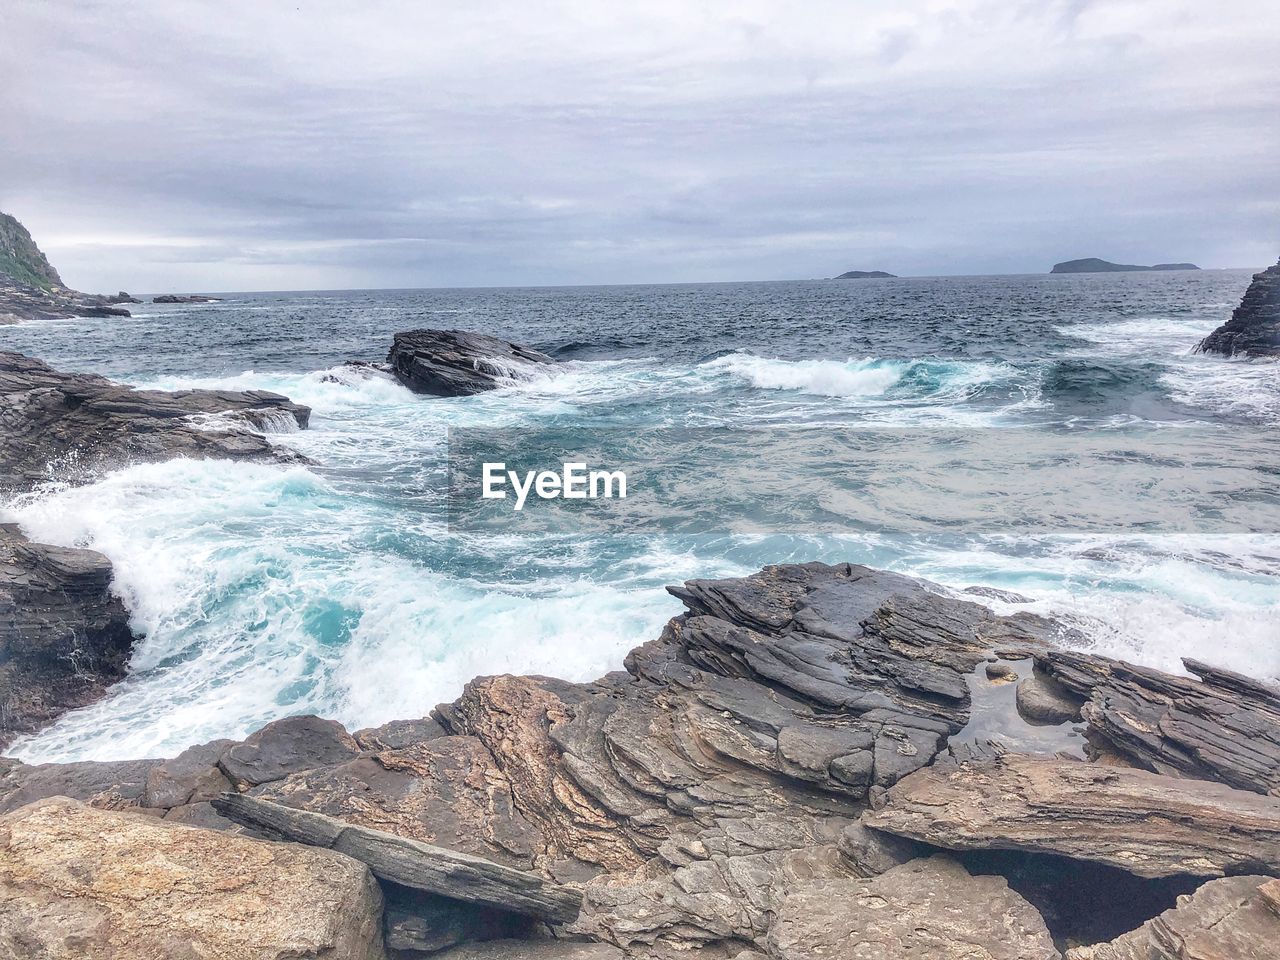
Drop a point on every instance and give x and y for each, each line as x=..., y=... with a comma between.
x=789, y=754
x=815, y=761
x=1254, y=327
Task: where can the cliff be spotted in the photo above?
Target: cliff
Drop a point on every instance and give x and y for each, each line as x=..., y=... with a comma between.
x=1094, y=265
x=30, y=288
x=1254, y=327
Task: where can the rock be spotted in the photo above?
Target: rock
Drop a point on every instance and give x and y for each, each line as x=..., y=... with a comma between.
x=88, y=884
x=192, y=298
x=1042, y=700
x=1094, y=265
x=1223, y=726
x=871, y=853
x=455, y=363
x=446, y=791
x=923, y=910
x=1235, y=917
x=1001, y=673
x=866, y=275
x=111, y=785
x=409, y=863
x=1141, y=822
x=286, y=746
x=1254, y=327
x=69, y=425
x=398, y=734
x=64, y=637
x=190, y=777
x=122, y=297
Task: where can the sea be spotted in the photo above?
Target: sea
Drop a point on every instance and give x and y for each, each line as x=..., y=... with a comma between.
x=340, y=587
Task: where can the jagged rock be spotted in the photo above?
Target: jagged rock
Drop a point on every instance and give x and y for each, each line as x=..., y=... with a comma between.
x=1141, y=822
x=398, y=734
x=1254, y=327
x=445, y=791
x=1236, y=918
x=191, y=298
x=286, y=746
x=1041, y=699
x=923, y=910
x=409, y=863
x=1223, y=726
x=68, y=425
x=83, y=884
x=122, y=297
x=64, y=637
x=455, y=363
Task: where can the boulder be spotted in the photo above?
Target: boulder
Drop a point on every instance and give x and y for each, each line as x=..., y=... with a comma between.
x=455, y=363
x=1254, y=327
x=923, y=910
x=286, y=746
x=64, y=637
x=1042, y=700
x=1236, y=917
x=78, y=883
x=1141, y=822
x=79, y=423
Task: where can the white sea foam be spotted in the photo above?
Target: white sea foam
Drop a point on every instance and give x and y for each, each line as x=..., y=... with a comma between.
x=825, y=378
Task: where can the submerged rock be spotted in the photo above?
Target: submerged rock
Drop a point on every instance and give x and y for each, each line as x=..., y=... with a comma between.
x=76, y=882
x=69, y=425
x=1254, y=327
x=64, y=637
x=455, y=363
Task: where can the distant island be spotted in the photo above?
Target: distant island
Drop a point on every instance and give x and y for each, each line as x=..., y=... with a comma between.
x=1094, y=265
x=865, y=275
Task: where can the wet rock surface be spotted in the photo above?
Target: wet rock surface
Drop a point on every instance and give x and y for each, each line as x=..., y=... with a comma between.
x=64, y=638
x=456, y=363
x=1254, y=327
x=724, y=781
x=67, y=426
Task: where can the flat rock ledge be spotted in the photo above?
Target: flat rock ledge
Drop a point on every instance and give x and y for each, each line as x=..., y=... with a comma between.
x=1254, y=327
x=456, y=363
x=22, y=302
x=67, y=426
x=790, y=770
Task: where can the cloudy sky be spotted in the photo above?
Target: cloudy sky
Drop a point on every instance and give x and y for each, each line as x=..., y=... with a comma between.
x=163, y=145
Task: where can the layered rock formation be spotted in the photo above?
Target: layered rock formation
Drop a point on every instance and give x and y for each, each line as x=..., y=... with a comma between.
x=30, y=288
x=455, y=363
x=777, y=775
x=64, y=638
x=1254, y=327
x=69, y=425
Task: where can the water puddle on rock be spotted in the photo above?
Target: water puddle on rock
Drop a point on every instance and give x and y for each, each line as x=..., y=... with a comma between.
x=994, y=719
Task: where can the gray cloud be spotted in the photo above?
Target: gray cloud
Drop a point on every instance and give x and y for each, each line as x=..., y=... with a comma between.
x=166, y=144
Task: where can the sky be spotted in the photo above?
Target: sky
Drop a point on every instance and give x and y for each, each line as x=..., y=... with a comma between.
x=170, y=145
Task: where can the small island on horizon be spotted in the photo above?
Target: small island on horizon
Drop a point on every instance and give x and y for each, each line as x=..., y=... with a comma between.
x=1095, y=265
x=865, y=275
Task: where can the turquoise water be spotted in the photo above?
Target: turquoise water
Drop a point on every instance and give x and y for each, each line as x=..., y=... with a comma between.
x=340, y=589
